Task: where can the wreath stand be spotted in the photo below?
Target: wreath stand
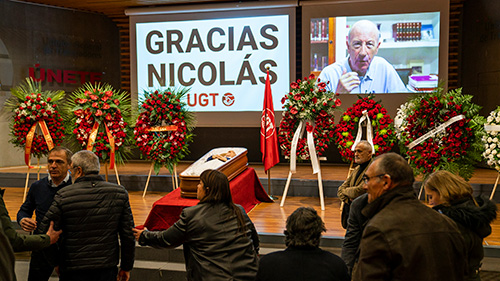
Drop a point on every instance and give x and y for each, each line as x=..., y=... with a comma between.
x=116, y=173
x=38, y=167
x=495, y=186
x=320, y=187
x=175, y=182
x=314, y=162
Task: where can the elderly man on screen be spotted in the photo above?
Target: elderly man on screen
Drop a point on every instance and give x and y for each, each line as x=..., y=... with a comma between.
x=353, y=185
x=362, y=72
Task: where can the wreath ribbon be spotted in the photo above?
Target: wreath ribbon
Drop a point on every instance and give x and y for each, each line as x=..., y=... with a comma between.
x=93, y=136
x=492, y=128
x=162, y=128
x=310, y=144
x=435, y=131
x=369, y=131
x=29, y=140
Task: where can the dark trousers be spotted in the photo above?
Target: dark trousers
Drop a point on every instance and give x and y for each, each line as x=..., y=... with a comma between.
x=41, y=264
x=100, y=274
x=345, y=214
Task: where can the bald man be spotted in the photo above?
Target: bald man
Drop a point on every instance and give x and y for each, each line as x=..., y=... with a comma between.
x=362, y=72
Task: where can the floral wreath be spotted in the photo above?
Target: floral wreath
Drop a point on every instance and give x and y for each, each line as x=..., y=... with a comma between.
x=491, y=139
x=33, y=107
x=163, y=128
x=383, y=130
x=308, y=100
x=442, y=131
x=100, y=117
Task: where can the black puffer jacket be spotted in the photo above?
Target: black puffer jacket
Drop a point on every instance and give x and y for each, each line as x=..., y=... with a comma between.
x=92, y=213
x=474, y=224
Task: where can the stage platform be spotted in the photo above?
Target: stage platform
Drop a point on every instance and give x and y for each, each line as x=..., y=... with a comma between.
x=133, y=175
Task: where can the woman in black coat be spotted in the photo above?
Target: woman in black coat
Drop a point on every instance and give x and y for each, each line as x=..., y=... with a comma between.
x=219, y=240
x=452, y=196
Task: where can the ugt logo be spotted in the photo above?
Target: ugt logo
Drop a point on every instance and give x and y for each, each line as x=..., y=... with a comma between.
x=228, y=99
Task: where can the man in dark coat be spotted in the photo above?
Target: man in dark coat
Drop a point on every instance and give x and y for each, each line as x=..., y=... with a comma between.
x=404, y=239
x=39, y=199
x=92, y=214
x=302, y=259
x=353, y=185
x=355, y=226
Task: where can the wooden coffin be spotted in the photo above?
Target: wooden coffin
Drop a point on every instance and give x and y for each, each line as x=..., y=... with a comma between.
x=190, y=177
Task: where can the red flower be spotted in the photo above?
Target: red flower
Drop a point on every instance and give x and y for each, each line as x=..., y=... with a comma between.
x=294, y=85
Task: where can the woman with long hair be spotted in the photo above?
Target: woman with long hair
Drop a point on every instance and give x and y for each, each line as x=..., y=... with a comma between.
x=452, y=196
x=219, y=239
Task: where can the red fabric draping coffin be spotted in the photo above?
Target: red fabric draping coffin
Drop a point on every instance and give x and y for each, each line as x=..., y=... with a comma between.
x=246, y=190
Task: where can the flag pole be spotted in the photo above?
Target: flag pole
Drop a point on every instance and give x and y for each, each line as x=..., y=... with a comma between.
x=269, y=185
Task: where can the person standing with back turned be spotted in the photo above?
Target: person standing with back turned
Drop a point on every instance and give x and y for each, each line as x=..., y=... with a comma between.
x=97, y=224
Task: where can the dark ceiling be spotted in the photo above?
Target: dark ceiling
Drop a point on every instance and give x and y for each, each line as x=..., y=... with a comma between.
x=114, y=8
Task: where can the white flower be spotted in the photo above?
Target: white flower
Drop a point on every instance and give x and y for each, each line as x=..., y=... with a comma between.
x=488, y=151
x=23, y=105
x=489, y=119
x=494, y=152
x=490, y=139
x=490, y=163
x=497, y=119
x=24, y=112
x=495, y=140
x=493, y=145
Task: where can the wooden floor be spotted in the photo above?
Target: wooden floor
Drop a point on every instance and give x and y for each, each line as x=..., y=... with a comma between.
x=267, y=217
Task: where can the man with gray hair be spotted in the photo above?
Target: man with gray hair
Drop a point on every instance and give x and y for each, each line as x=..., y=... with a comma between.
x=93, y=213
x=404, y=239
x=362, y=72
x=353, y=185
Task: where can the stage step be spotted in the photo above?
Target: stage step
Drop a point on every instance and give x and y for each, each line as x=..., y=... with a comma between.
x=168, y=264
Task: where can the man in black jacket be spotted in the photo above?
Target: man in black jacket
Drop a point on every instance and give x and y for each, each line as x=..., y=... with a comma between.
x=93, y=214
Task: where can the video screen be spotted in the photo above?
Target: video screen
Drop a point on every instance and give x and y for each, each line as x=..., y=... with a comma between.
x=223, y=61
x=404, y=59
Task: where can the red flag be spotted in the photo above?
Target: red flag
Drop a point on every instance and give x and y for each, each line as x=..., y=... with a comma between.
x=268, y=137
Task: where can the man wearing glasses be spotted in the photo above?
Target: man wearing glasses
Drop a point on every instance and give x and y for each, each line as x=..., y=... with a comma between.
x=404, y=239
x=362, y=72
x=38, y=200
x=353, y=185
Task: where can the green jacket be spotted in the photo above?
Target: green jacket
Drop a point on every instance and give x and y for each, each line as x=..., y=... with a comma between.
x=20, y=242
